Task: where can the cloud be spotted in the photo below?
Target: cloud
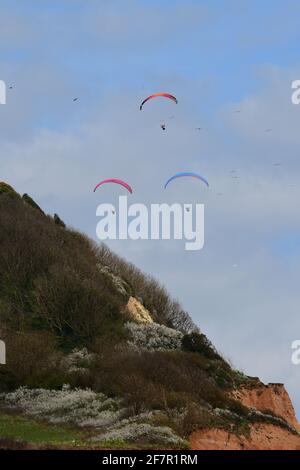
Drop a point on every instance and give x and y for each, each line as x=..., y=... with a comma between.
x=142, y=25
x=13, y=30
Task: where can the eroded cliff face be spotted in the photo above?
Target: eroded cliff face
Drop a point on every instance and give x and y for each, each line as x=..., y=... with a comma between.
x=269, y=399
x=272, y=397
x=262, y=437
x=137, y=312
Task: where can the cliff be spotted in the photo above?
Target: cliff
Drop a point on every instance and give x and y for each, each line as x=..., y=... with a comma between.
x=262, y=437
x=271, y=399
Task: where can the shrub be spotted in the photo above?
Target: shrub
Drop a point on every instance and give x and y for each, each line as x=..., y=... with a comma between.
x=79, y=407
x=49, y=278
x=32, y=358
x=78, y=360
x=26, y=198
x=197, y=342
x=116, y=282
x=152, y=336
x=196, y=417
x=157, y=380
x=7, y=189
x=58, y=221
x=144, y=433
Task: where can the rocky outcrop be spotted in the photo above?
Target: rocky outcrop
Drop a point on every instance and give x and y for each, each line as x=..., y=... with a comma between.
x=271, y=399
x=262, y=437
x=136, y=311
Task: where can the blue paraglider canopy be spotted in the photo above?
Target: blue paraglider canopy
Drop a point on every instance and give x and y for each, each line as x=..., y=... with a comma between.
x=188, y=174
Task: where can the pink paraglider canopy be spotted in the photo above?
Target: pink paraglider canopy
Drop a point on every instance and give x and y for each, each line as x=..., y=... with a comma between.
x=116, y=181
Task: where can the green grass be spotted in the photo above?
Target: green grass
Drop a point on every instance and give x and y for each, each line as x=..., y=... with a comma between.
x=28, y=431
x=34, y=432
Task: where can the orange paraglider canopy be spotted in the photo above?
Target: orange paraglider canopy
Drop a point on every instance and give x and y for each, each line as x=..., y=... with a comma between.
x=155, y=95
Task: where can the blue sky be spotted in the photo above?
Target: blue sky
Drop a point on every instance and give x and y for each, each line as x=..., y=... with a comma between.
x=224, y=42
x=216, y=57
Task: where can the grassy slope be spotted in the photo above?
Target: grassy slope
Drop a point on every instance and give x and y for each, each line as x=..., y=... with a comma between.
x=17, y=431
x=19, y=428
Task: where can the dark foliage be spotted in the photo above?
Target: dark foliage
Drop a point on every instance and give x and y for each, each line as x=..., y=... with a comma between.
x=49, y=279
x=198, y=342
x=58, y=221
x=26, y=198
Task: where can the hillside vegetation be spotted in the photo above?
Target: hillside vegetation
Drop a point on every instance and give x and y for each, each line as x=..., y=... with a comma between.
x=76, y=358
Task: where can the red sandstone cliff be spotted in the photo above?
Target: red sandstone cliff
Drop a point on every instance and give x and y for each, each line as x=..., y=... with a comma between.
x=271, y=398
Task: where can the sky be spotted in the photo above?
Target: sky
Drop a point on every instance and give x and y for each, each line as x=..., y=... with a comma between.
x=217, y=57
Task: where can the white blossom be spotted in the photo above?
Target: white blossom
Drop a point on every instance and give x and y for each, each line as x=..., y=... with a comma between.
x=85, y=408
x=79, y=407
x=78, y=360
x=152, y=336
x=135, y=432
